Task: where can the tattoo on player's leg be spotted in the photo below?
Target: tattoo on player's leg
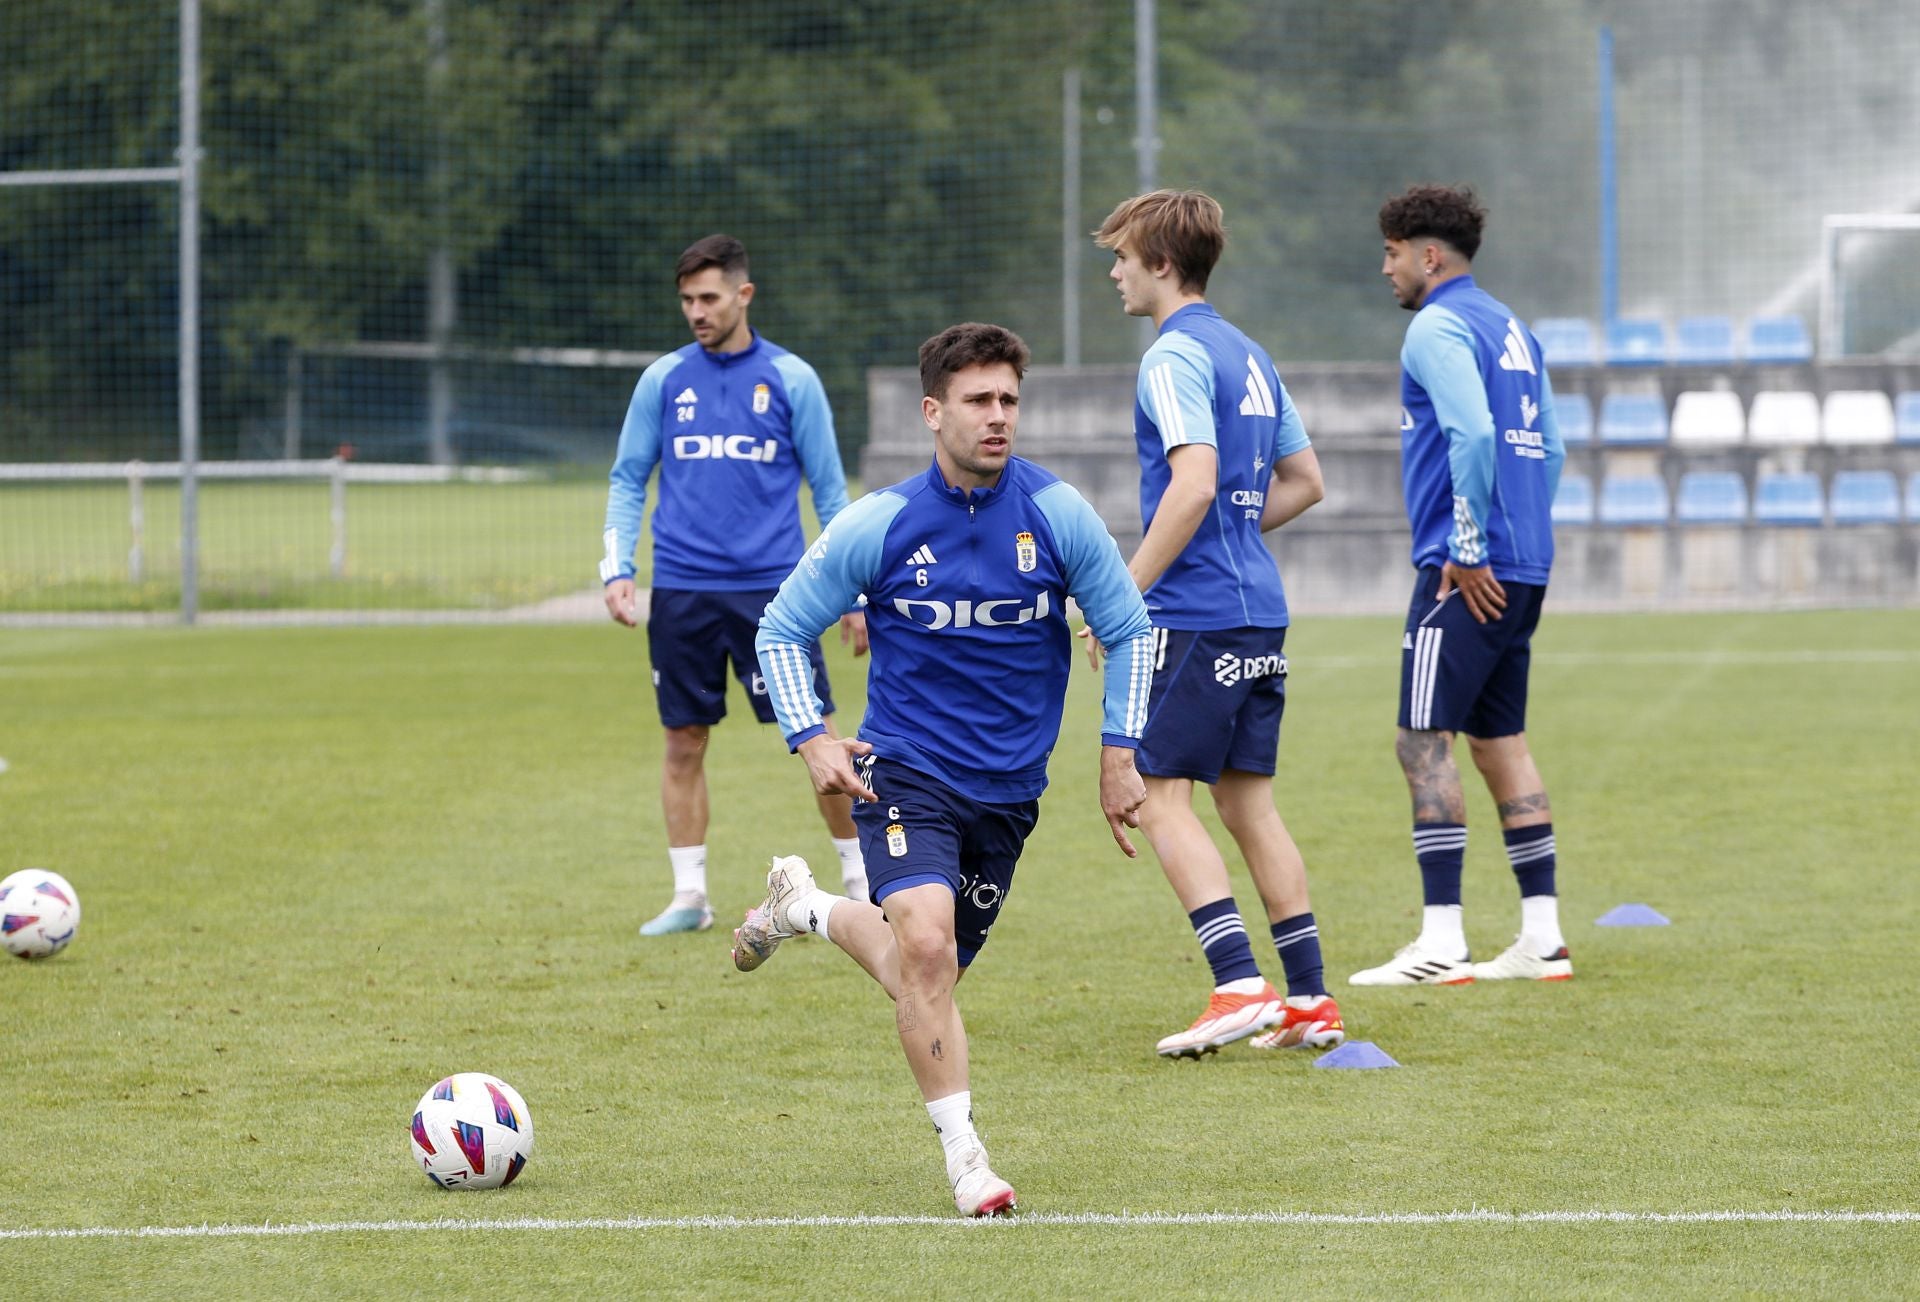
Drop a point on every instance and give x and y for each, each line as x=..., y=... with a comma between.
x=904, y=1016
x=1426, y=757
x=1520, y=806
x=937, y=1051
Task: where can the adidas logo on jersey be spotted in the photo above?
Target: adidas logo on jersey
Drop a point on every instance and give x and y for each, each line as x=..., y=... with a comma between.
x=1259, y=399
x=1517, y=357
x=687, y=395
x=922, y=557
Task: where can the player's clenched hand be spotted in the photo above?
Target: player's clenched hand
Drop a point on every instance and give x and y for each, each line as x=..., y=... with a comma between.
x=1484, y=596
x=830, y=764
x=621, y=603
x=853, y=631
x=1121, y=794
x=1094, y=649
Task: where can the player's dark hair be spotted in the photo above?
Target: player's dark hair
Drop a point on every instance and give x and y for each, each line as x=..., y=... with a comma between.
x=1449, y=214
x=722, y=251
x=1183, y=227
x=972, y=343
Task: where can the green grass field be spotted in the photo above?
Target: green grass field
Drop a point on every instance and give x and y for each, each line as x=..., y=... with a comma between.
x=322, y=868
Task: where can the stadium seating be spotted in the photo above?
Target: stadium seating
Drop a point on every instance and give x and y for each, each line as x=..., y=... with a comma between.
x=1865, y=497
x=1634, y=499
x=1711, y=497
x=1778, y=339
x=1566, y=341
x=1636, y=341
x=1857, y=416
x=1573, y=502
x=1573, y=412
x=1784, y=418
x=1708, y=419
x=1913, y=497
x=1703, y=341
x=1788, y=499
x=1633, y=418
x=1906, y=418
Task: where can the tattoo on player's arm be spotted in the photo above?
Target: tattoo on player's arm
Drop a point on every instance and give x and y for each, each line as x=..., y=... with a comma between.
x=1530, y=804
x=903, y=1016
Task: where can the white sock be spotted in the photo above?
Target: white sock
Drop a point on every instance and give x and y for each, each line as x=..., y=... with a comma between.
x=810, y=912
x=1540, y=924
x=853, y=867
x=1244, y=986
x=689, y=874
x=1441, y=931
x=953, y=1122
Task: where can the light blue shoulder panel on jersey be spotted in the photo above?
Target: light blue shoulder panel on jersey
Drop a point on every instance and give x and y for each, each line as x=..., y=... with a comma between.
x=1098, y=581
x=1550, y=440
x=633, y=463
x=1175, y=389
x=1291, y=436
x=830, y=577
x=811, y=427
x=1439, y=355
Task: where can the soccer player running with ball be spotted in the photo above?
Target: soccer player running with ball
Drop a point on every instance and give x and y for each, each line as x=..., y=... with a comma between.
x=733, y=421
x=967, y=570
x=1480, y=459
x=1223, y=458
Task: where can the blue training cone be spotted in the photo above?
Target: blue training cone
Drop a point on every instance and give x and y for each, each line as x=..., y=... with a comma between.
x=1631, y=915
x=1357, y=1054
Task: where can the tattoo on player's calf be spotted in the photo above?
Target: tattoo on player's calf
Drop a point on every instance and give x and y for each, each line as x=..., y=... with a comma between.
x=1529, y=804
x=903, y=1016
x=936, y=1050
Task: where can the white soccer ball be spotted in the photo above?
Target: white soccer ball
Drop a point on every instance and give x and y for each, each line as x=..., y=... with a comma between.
x=472, y=1131
x=39, y=912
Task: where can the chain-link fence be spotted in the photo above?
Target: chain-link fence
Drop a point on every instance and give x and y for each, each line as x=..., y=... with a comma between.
x=441, y=232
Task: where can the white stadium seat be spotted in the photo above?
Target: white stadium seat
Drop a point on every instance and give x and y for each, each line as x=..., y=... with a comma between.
x=1703, y=419
x=1857, y=416
x=1784, y=418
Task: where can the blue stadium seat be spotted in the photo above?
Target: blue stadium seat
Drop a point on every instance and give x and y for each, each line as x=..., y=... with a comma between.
x=1573, y=412
x=1906, y=418
x=1630, y=418
x=1566, y=341
x=1865, y=497
x=1778, y=339
x=1913, y=497
x=1788, y=499
x=1636, y=341
x=1573, y=502
x=1711, y=497
x=1703, y=340
x=1634, y=499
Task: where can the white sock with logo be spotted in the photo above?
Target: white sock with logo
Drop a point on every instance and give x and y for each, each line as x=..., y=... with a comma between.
x=689, y=875
x=1442, y=931
x=953, y=1122
x=853, y=867
x=810, y=912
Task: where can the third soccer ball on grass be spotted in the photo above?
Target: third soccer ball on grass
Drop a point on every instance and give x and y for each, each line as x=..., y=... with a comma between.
x=472, y=1131
x=39, y=912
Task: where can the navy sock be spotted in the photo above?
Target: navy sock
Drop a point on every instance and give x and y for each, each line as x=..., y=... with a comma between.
x=1298, y=941
x=1223, y=937
x=1530, y=851
x=1440, y=848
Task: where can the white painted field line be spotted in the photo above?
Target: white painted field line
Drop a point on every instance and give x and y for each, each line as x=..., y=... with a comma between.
x=1033, y=1220
x=1735, y=657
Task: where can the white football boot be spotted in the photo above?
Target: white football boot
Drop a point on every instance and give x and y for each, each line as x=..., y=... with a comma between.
x=1414, y=966
x=1522, y=961
x=766, y=923
x=977, y=1191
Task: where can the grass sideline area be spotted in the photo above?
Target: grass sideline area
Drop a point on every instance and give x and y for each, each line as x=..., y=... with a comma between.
x=323, y=867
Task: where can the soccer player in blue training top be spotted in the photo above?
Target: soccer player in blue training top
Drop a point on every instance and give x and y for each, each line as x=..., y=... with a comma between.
x=1223, y=458
x=733, y=421
x=967, y=570
x=1480, y=458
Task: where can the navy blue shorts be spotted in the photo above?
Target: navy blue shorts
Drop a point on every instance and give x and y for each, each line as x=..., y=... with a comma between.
x=1217, y=700
x=692, y=637
x=922, y=831
x=1459, y=675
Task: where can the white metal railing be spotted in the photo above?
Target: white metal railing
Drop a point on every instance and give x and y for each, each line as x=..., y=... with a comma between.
x=337, y=471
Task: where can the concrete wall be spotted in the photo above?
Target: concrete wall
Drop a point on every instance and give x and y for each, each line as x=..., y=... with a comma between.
x=1350, y=552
